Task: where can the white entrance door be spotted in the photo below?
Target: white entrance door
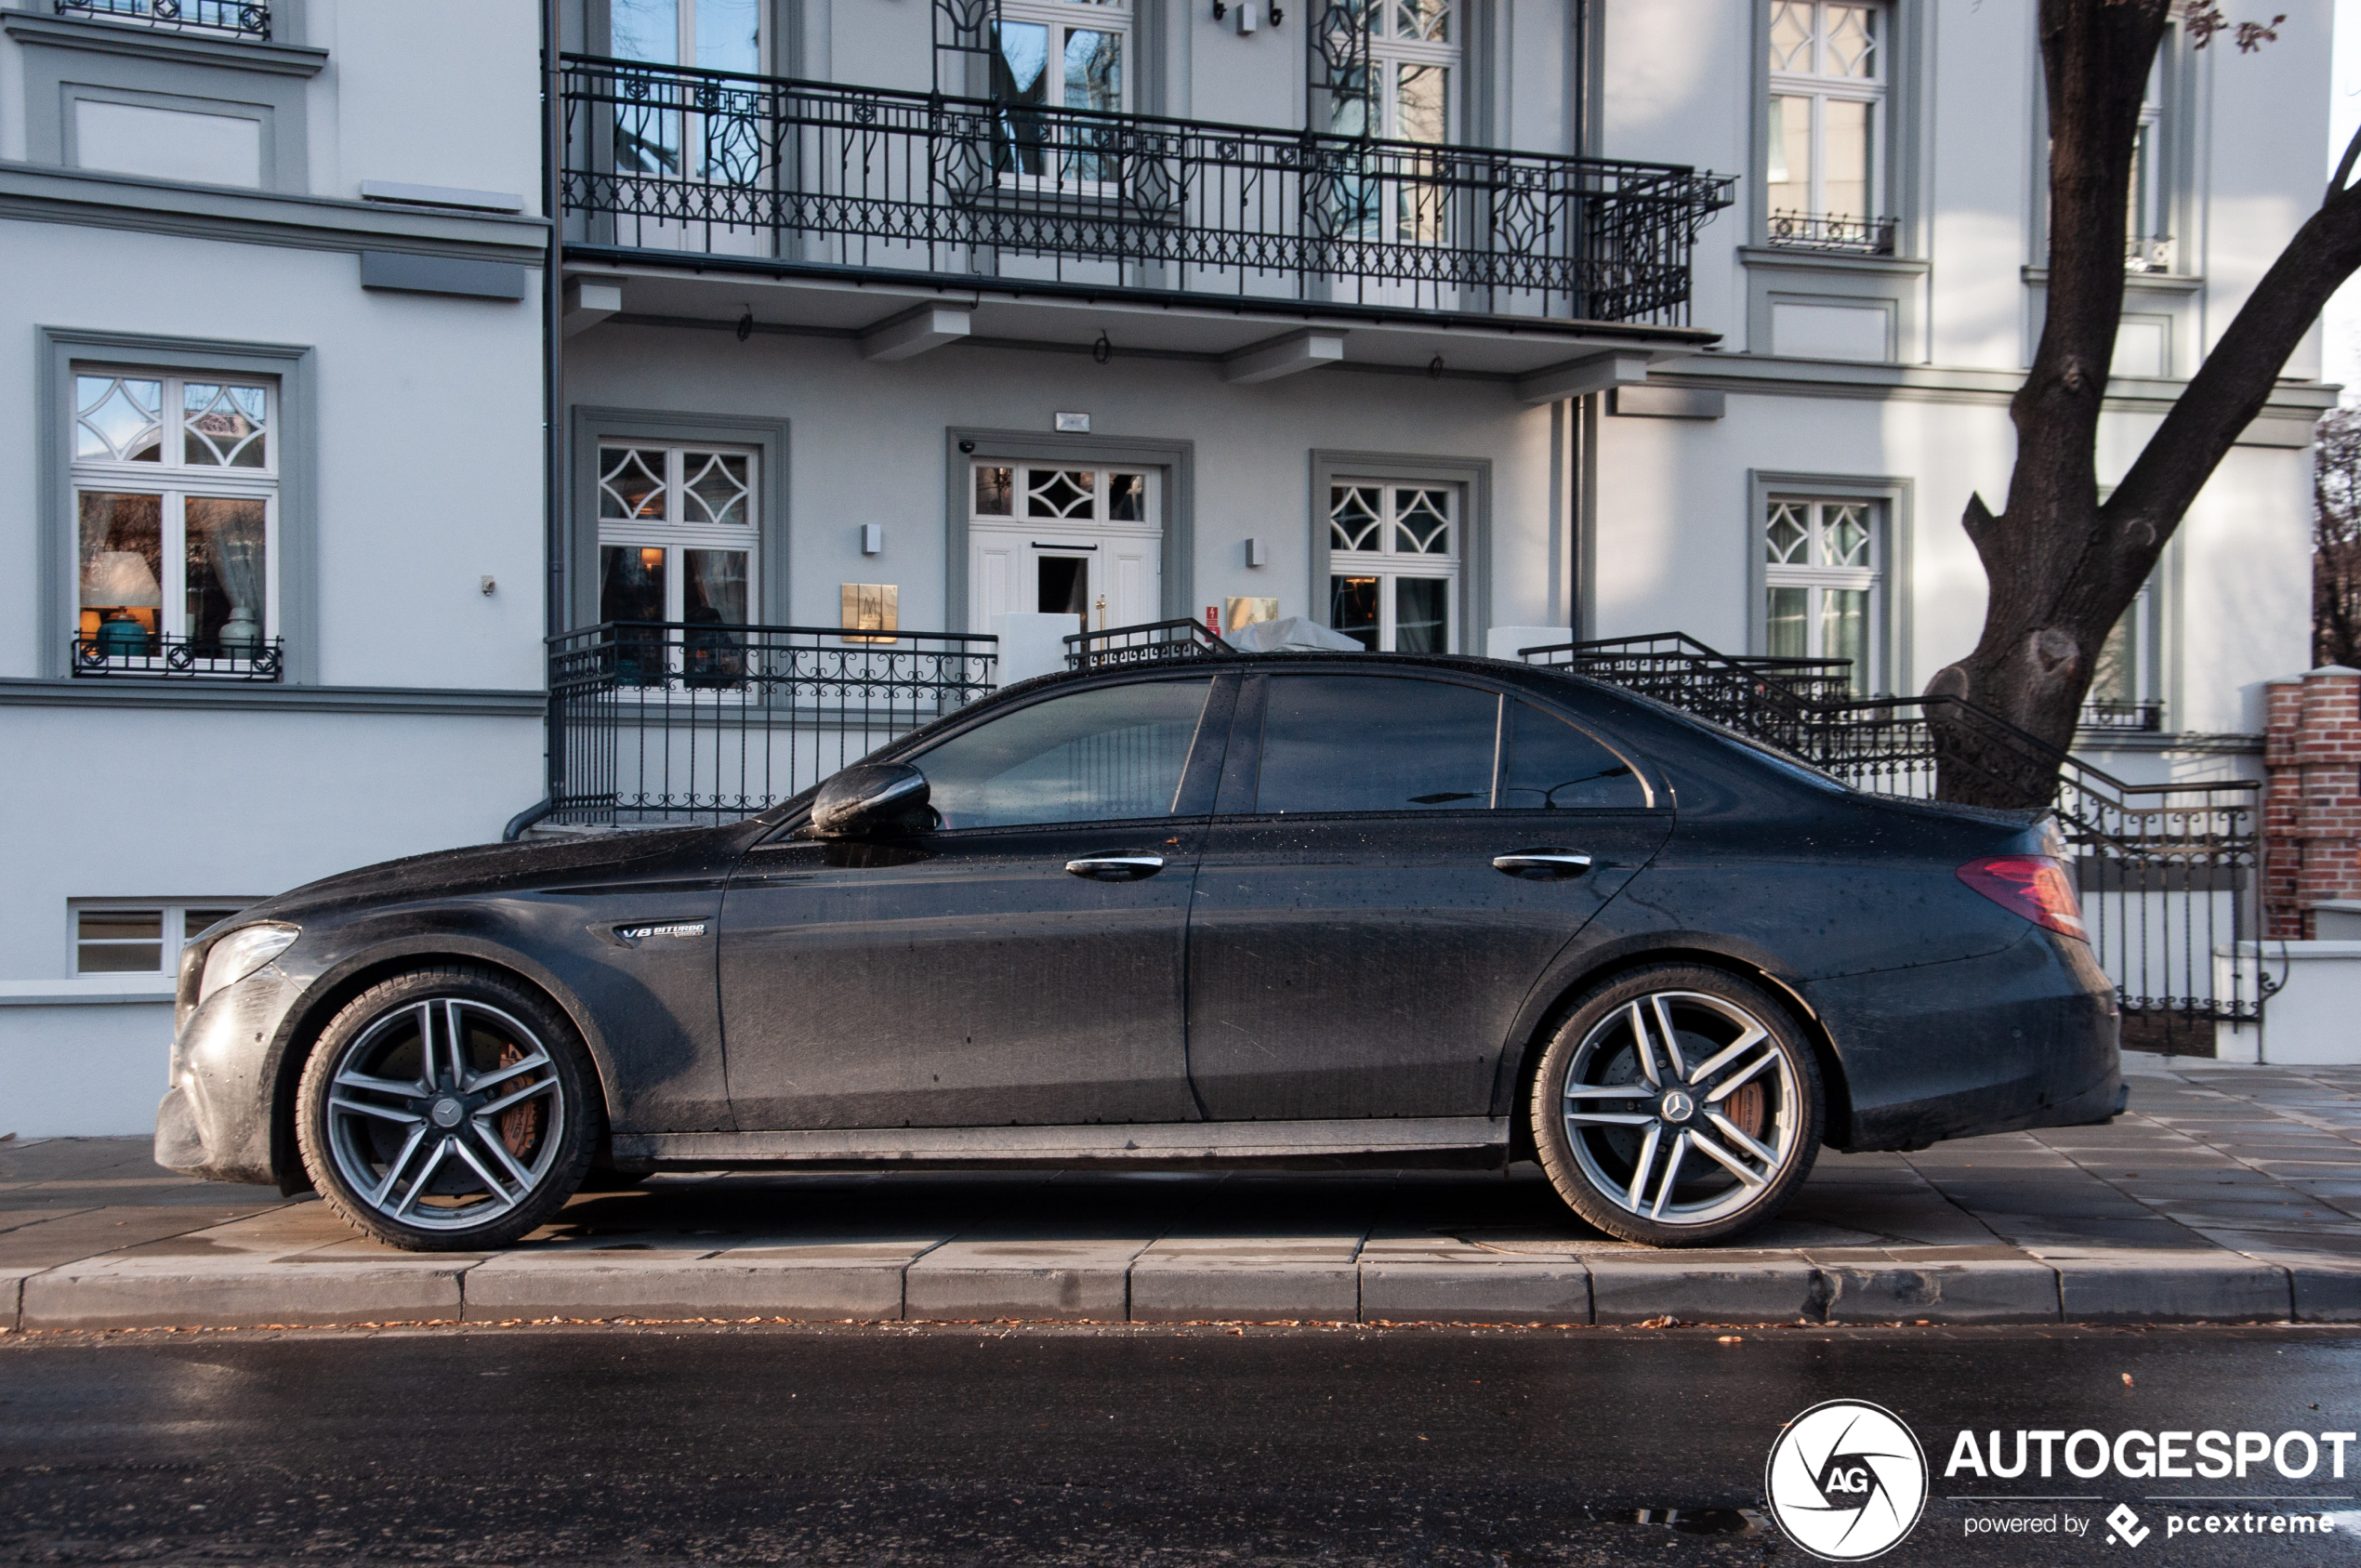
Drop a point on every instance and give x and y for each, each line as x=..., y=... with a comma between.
x=1085, y=542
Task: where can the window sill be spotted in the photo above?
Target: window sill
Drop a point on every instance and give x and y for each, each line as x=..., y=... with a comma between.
x=127, y=691
x=185, y=48
x=1800, y=258
x=2154, y=282
x=87, y=991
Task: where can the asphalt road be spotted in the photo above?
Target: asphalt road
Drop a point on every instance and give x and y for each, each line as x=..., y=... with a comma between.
x=1130, y=1445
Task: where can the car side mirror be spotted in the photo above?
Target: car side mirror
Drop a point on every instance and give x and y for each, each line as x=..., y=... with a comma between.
x=872, y=797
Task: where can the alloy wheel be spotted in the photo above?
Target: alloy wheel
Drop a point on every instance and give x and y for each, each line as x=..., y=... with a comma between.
x=445, y=1115
x=1681, y=1108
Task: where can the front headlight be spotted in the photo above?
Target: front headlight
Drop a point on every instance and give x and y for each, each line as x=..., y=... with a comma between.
x=241, y=952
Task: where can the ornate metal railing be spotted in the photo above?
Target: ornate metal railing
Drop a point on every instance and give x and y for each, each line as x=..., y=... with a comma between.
x=667, y=722
x=2169, y=873
x=166, y=657
x=2147, y=253
x=1152, y=642
x=2107, y=714
x=668, y=158
x=240, y=18
x=1805, y=231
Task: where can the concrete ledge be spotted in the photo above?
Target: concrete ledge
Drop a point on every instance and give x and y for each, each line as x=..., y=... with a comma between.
x=1476, y=1293
x=1195, y=1291
x=1951, y=1293
x=2325, y=1295
x=1047, y=1294
x=142, y=1296
x=2171, y=1287
x=578, y=1286
x=1694, y=1290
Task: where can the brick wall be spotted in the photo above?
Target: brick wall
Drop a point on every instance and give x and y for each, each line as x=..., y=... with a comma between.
x=2312, y=804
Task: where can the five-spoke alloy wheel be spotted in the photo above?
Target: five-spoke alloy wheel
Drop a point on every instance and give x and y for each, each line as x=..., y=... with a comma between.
x=447, y=1108
x=1677, y=1105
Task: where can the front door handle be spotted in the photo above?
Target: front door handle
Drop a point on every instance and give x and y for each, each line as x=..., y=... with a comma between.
x=1542, y=865
x=1116, y=868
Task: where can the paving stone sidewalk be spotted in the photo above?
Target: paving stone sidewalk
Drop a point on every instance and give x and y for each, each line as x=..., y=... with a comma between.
x=2224, y=1194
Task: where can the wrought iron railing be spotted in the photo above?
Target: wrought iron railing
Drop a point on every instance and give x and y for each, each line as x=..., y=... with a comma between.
x=2147, y=253
x=2109, y=714
x=1807, y=231
x=165, y=657
x=670, y=721
x=1153, y=642
x=668, y=158
x=242, y=18
x=2168, y=873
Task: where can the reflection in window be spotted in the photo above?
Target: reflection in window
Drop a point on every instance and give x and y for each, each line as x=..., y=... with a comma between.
x=1821, y=581
x=1112, y=754
x=1393, y=565
x=1554, y=766
x=1347, y=742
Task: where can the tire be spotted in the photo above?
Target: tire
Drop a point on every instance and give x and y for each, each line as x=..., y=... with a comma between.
x=437, y=1152
x=1677, y=1105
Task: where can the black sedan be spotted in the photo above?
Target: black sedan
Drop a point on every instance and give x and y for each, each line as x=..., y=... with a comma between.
x=1287, y=910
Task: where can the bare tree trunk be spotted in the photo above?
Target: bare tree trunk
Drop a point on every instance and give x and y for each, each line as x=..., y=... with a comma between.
x=2062, y=567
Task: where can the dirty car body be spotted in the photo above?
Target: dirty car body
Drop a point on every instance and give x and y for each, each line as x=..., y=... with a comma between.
x=1295, y=909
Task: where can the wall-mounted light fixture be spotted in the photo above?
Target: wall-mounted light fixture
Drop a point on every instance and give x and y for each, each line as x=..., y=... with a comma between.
x=873, y=538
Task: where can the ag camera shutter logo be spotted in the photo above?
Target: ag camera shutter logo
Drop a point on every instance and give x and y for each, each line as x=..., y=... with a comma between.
x=1847, y=1481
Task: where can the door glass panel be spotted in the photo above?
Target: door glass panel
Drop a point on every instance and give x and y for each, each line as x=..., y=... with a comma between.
x=1105, y=755
x=993, y=491
x=1421, y=615
x=1352, y=609
x=1020, y=82
x=1348, y=743
x=1554, y=766
x=1065, y=586
x=1126, y=498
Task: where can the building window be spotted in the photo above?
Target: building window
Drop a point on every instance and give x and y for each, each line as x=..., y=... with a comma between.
x=1822, y=581
x=1404, y=86
x=142, y=939
x=1393, y=565
x=175, y=496
x=1059, y=53
x=1826, y=137
x=678, y=535
x=2147, y=221
x=706, y=35
x=2126, y=692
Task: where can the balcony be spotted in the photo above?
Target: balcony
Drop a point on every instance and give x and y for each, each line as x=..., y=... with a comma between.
x=236, y=18
x=668, y=167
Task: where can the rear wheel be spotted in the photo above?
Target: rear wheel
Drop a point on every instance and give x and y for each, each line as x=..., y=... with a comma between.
x=447, y=1109
x=1678, y=1105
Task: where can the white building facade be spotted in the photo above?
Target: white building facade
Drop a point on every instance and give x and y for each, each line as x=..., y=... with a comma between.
x=270, y=403
x=1694, y=315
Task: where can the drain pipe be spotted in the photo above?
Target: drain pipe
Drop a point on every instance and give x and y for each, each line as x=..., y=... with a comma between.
x=553, y=307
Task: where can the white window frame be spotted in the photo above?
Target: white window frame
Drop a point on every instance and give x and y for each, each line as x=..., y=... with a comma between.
x=1389, y=564
x=174, y=481
x=675, y=534
x=1391, y=48
x=1817, y=575
x=1821, y=89
x=1061, y=17
x=173, y=933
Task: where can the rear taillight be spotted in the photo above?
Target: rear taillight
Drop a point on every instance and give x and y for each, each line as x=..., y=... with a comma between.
x=2033, y=886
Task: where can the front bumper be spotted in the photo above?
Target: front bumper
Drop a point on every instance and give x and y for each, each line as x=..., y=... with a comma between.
x=215, y=1119
x=2026, y=1037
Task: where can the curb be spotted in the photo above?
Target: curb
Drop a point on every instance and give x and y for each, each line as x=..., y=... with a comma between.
x=2123, y=1288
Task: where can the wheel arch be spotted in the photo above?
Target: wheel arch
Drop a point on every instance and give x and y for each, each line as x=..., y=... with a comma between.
x=1555, y=998
x=299, y=1031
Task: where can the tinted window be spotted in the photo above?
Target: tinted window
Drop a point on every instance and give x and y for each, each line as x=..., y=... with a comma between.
x=1554, y=765
x=1098, y=755
x=1360, y=743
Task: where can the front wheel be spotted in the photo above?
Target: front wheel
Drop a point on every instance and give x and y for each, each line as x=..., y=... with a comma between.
x=1678, y=1105
x=447, y=1109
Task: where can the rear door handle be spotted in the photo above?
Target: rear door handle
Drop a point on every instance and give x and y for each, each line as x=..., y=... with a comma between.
x=1542, y=865
x=1116, y=868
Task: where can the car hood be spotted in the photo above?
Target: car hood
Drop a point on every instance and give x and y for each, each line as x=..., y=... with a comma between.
x=496, y=868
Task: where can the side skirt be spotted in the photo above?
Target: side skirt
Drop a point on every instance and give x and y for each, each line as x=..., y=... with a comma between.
x=1457, y=1140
